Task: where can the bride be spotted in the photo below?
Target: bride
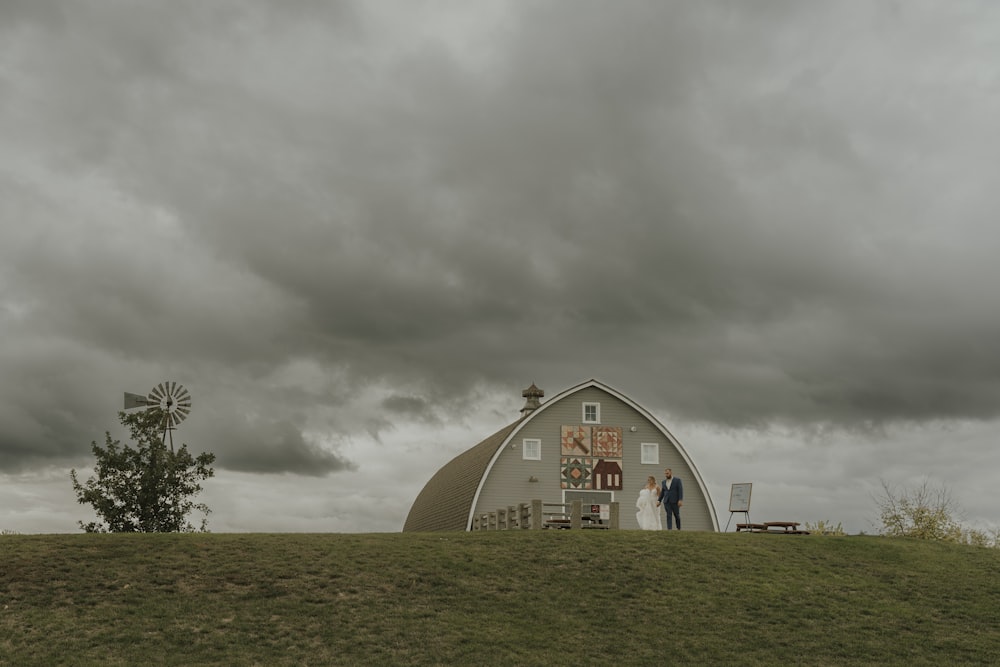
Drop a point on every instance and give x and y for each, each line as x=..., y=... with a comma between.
x=648, y=515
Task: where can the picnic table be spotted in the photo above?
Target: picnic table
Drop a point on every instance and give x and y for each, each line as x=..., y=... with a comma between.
x=750, y=528
x=786, y=527
x=777, y=527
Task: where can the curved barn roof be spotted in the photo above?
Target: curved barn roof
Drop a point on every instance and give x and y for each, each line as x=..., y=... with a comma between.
x=446, y=500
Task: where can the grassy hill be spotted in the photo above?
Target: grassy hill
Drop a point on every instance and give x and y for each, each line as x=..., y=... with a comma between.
x=502, y=598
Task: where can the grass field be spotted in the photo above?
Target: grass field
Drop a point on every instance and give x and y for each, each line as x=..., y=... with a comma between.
x=500, y=598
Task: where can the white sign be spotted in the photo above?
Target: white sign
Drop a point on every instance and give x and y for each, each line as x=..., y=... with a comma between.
x=739, y=497
x=603, y=510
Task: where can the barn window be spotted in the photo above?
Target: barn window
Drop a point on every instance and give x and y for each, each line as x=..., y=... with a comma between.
x=591, y=413
x=650, y=452
x=531, y=449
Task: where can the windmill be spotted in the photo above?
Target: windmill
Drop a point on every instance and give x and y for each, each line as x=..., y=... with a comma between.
x=171, y=399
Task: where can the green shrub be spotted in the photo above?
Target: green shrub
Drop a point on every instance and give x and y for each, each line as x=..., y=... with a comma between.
x=823, y=527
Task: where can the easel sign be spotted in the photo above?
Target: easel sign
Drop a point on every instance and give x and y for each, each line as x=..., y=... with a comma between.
x=739, y=497
x=739, y=501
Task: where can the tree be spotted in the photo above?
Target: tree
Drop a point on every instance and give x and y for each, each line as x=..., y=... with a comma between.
x=923, y=512
x=145, y=489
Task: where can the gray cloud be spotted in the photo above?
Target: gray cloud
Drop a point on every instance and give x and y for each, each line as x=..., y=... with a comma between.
x=331, y=222
x=275, y=447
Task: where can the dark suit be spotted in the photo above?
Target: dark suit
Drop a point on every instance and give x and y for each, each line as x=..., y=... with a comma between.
x=670, y=499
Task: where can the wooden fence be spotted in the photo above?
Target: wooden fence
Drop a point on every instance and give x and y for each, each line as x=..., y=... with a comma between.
x=537, y=515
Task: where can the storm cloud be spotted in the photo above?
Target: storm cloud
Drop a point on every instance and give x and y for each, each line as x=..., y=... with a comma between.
x=354, y=230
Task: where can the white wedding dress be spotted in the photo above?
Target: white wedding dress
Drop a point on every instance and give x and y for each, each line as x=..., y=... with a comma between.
x=648, y=515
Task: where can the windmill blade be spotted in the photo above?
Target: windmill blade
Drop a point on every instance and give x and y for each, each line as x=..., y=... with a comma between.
x=135, y=401
x=172, y=400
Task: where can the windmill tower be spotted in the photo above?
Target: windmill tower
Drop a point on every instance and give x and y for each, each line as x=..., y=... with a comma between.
x=171, y=399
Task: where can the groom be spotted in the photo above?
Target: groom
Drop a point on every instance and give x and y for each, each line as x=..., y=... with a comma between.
x=672, y=497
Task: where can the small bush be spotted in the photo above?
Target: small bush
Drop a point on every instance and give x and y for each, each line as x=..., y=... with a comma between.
x=981, y=538
x=823, y=527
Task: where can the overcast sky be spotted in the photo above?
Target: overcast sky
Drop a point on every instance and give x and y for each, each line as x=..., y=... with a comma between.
x=356, y=231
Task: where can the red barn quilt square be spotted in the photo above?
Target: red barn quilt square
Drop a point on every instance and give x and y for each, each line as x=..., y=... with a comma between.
x=607, y=441
x=607, y=475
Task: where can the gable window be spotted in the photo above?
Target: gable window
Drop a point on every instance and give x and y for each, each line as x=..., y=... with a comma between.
x=531, y=449
x=591, y=413
x=650, y=452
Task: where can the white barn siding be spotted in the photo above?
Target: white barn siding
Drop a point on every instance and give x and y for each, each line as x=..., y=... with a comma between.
x=506, y=482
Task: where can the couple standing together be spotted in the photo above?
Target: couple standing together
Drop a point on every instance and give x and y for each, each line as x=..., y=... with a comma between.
x=669, y=493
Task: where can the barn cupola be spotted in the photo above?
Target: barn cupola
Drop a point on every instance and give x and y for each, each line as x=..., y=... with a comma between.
x=532, y=394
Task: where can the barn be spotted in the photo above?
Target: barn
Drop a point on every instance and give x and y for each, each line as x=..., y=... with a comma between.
x=590, y=443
